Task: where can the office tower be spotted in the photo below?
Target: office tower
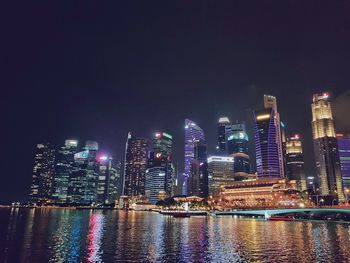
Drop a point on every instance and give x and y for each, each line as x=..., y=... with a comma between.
x=344, y=155
x=115, y=178
x=295, y=162
x=198, y=179
x=108, y=180
x=155, y=183
x=77, y=179
x=135, y=166
x=105, y=166
x=220, y=173
x=237, y=146
x=90, y=195
x=268, y=144
x=162, y=148
x=223, y=131
x=328, y=174
x=63, y=169
x=193, y=133
x=160, y=174
x=43, y=173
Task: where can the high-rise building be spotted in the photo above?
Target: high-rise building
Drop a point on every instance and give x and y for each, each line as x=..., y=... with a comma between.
x=160, y=175
x=77, y=178
x=155, y=183
x=63, y=169
x=83, y=179
x=344, y=154
x=295, y=162
x=237, y=146
x=328, y=173
x=220, y=173
x=268, y=144
x=43, y=173
x=223, y=131
x=92, y=173
x=108, y=180
x=193, y=133
x=198, y=179
x=135, y=166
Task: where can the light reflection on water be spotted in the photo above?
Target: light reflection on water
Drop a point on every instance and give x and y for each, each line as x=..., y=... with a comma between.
x=63, y=235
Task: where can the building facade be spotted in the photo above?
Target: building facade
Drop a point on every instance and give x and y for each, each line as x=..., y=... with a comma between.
x=135, y=166
x=329, y=179
x=237, y=146
x=295, y=162
x=63, y=169
x=198, y=179
x=344, y=155
x=220, y=173
x=223, y=131
x=193, y=133
x=43, y=174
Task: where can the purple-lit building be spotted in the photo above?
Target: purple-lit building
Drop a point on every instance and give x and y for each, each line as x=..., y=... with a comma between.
x=344, y=155
x=266, y=144
x=193, y=134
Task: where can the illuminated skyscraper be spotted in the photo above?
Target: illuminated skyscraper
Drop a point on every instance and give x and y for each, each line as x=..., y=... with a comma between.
x=268, y=144
x=223, y=131
x=220, y=173
x=135, y=166
x=160, y=175
x=198, y=179
x=83, y=179
x=328, y=171
x=90, y=193
x=108, y=180
x=77, y=178
x=63, y=170
x=43, y=173
x=193, y=133
x=344, y=154
x=295, y=162
x=237, y=146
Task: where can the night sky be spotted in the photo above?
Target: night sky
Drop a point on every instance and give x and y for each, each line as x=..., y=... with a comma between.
x=96, y=71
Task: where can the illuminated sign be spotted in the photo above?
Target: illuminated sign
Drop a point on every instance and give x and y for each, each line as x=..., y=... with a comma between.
x=157, y=135
x=167, y=135
x=81, y=155
x=263, y=117
x=220, y=159
x=103, y=158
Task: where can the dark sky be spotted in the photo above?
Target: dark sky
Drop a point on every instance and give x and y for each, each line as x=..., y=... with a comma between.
x=96, y=71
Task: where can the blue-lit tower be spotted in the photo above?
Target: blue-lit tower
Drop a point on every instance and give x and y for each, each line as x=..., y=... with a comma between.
x=193, y=133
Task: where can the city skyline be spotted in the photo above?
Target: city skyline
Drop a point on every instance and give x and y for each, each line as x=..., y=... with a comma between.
x=72, y=78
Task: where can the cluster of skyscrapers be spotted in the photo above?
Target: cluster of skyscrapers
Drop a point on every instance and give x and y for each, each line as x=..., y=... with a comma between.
x=71, y=176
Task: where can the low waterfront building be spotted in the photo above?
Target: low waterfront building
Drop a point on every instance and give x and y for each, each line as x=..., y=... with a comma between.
x=262, y=192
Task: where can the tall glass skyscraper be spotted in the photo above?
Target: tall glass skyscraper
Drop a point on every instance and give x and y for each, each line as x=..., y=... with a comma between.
x=160, y=175
x=268, y=144
x=135, y=166
x=193, y=133
x=43, y=173
x=223, y=131
x=198, y=179
x=329, y=180
x=220, y=170
x=344, y=154
x=63, y=169
x=237, y=146
x=295, y=162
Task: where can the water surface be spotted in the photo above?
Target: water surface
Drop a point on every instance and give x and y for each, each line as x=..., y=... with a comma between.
x=64, y=235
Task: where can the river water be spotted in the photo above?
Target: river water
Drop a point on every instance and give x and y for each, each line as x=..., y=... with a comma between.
x=63, y=235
